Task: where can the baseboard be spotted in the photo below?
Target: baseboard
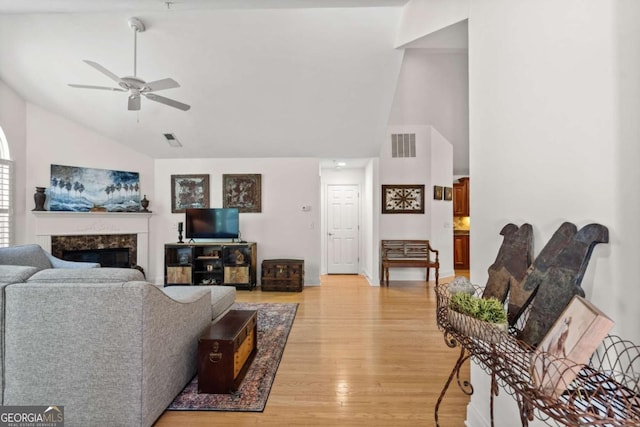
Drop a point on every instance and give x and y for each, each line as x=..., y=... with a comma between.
x=445, y=274
x=372, y=282
x=475, y=418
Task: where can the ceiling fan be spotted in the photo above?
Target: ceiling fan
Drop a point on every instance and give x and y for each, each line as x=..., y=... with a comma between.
x=136, y=86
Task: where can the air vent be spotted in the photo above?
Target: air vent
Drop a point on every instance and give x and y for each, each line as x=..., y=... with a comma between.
x=172, y=140
x=403, y=145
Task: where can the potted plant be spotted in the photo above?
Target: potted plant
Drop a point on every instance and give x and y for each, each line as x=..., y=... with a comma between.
x=482, y=318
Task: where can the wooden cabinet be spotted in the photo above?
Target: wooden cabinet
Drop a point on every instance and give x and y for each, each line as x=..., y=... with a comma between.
x=210, y=264
x=282, y=275
x=461, y=251
x=461, y=197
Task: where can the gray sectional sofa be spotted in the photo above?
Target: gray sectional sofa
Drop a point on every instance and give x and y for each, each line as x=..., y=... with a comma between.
x=111, y=348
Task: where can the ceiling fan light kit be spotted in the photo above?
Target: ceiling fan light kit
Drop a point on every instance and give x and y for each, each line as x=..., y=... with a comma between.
x=135, y=85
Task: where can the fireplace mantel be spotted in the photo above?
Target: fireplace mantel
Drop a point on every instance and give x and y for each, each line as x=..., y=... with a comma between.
x=58, y=223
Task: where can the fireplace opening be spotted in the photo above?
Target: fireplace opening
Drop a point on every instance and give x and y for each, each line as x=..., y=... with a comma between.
x=108, y=257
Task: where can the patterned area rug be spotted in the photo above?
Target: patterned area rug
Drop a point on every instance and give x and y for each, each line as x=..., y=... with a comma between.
x=274, y=325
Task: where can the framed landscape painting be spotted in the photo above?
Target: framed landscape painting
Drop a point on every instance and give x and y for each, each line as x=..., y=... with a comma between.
x=79, y=189
x=242, y=191
x=189, y=191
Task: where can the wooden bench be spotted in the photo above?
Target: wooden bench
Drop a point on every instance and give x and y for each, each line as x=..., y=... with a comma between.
x=408, y=254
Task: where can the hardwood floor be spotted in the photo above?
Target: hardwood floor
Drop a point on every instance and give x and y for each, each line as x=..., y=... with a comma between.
x=357, y=355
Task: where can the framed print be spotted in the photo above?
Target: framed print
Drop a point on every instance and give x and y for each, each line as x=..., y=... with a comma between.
x=79, y=189
x=568, y=345
x=189, y=191
x=448, y=193
x=402, y=199
x=437, y=192
x=242, y=191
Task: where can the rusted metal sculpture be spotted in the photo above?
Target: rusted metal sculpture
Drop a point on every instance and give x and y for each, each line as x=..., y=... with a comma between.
x=557, y=274
x=509, y=270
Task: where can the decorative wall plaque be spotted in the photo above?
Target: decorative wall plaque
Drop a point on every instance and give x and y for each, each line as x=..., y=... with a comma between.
x=402, y=199
x=242, y=191
x=189, y=191
x=448, y=193
x=437, y=192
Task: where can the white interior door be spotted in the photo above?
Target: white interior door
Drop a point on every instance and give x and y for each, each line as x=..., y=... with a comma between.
x=343, y=203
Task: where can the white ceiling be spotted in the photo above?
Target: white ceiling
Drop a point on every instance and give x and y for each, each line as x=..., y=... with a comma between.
x=290, y=80
x=265, y=78
x=75, y=6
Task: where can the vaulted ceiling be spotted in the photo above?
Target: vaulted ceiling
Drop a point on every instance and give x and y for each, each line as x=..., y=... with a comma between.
x=287, y=80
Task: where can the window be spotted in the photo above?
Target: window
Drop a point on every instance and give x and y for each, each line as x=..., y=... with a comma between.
x=6, y=193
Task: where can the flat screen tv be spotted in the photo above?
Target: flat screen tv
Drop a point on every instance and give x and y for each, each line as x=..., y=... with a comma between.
x=217, y=223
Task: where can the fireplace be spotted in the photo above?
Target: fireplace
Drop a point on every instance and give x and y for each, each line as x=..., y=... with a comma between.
x=109, y=257
x=60, y=231
x=113, y=248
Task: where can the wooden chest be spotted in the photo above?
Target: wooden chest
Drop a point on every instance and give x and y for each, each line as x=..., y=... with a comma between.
x=225, y=351
x=283, y=275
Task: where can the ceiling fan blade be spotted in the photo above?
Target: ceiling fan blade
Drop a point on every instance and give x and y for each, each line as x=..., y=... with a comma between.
x=116, y=89
x=167, y=101
x=103, y=70
x=160, y=85
x=134, y=103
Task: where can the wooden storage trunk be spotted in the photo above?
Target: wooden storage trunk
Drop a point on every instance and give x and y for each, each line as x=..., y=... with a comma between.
x=225, y=351
x=283, y=275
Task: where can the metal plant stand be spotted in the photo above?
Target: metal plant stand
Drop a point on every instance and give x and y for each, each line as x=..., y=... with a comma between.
x=606, y=391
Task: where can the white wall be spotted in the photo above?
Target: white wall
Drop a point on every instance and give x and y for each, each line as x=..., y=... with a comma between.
x=433, y=89
x=38, y=139
x=419, y=170
x=554, y=137
x=441, y=215
x=421, y=17
x=371, y=207
x=13, y=111
x=52, y=139
x=281, y=230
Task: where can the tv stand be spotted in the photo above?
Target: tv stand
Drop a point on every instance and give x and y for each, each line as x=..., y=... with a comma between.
x=211, y=263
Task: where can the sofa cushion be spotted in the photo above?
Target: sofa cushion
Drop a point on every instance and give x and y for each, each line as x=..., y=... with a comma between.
x=16, y=273
x=185, y=294
x=88, y=275
x=222, y=297
x=30, y=255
